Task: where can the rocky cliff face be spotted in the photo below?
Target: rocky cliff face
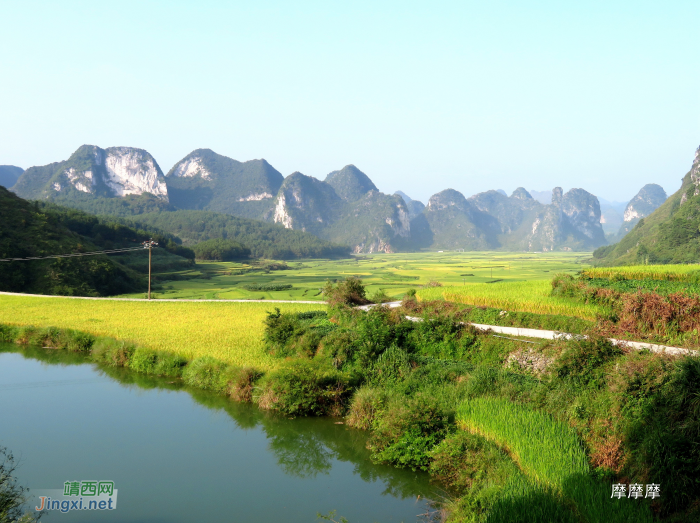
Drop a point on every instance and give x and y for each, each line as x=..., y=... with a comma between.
x=305, y=203
x=112, y=172
x=648, y=199
x=694, y=177
x=414, y=207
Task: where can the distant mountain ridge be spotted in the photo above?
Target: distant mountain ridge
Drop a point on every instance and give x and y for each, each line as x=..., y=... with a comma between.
x=9, y=174
x=112, y=172
x=345, y=208
x=205, y=180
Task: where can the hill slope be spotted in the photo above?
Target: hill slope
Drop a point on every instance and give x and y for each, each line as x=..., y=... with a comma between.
x=205, y=180
x=9, y=174
x=28, y=229
x=670, y=234
x=350, y=183
x=265, y=240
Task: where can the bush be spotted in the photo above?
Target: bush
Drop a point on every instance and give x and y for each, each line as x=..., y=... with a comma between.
x=149, y=361
x=8, y=333
x=12, y=496
x=664, y=441
x=207, y=373
x=241, y=383
x=268, y=287
x=348, y=292
x=582, y=360
x=303, y=387
x=407, y=431
x=112, y=352
x=338, y=347
x=366, y=404
x=466, y=462
x=295, y=334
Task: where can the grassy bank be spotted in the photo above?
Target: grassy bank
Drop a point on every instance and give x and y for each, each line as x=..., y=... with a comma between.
x=230, y=332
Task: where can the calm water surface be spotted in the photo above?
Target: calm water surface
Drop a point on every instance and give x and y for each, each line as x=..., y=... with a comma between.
x=182, y=455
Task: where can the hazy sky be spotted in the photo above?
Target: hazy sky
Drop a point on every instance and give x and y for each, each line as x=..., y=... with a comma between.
x=420, y=96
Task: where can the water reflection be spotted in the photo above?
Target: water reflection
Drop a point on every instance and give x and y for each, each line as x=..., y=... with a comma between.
x=302, y=447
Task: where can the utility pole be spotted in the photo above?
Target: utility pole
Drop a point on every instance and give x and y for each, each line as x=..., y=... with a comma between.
x=149, y=245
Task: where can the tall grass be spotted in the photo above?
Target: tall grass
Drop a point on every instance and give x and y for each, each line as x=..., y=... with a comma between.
x=229, y=332
x=522, y=296
x=683, y=273
x=551, y=455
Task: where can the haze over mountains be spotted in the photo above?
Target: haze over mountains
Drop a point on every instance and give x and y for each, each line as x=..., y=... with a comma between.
x=345, y=208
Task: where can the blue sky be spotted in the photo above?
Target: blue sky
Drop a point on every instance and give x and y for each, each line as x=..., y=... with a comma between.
x=420, y=96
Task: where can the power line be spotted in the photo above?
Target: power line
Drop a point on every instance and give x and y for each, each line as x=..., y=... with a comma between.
x=75, y=255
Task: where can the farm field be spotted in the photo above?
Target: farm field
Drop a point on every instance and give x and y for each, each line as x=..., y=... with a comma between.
x=231, y=332
x=516, y=296
x=393, y=273
x=679, y=273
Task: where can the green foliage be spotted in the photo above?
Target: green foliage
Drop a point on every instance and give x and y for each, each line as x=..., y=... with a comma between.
x=305, y=387
x=665, y=439
x=350, y=291
x=268, y=287
x=583, y=360
x=158, y=363
x=220, y=250
x=207, y=373
x=366, y=406
x=111, y=352
x=265, y=240
x=295, y=334
x=32, y=229
x=13, y=496
x=407, y=431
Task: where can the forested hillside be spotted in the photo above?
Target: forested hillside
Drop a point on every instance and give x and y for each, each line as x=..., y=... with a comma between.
x=265, y=240
x=30, y=229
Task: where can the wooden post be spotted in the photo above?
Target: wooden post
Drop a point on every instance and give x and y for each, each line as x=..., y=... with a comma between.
x=150, y=248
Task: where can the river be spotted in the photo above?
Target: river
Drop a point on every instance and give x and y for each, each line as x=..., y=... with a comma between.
x=183, y=455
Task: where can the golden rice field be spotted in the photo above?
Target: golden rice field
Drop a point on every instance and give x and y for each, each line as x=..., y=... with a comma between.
x=519, y=296
x=685, y=272
x=231, y=332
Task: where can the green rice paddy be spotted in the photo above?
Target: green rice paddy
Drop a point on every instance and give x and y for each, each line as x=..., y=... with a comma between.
x=392, y=273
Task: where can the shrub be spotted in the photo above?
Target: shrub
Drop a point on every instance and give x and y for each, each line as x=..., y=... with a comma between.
x=149, y=361
x=241, y=383
x=207, y=373
x=407, y=431
x=366, y=404
x=112, y=352
x=8, y=333
x=466, y=462
x=348, y=292
x=268, y=287
x=303, y=387
x=380, y=297
x=338, y=347
x=664, y=442
x=582, y=360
